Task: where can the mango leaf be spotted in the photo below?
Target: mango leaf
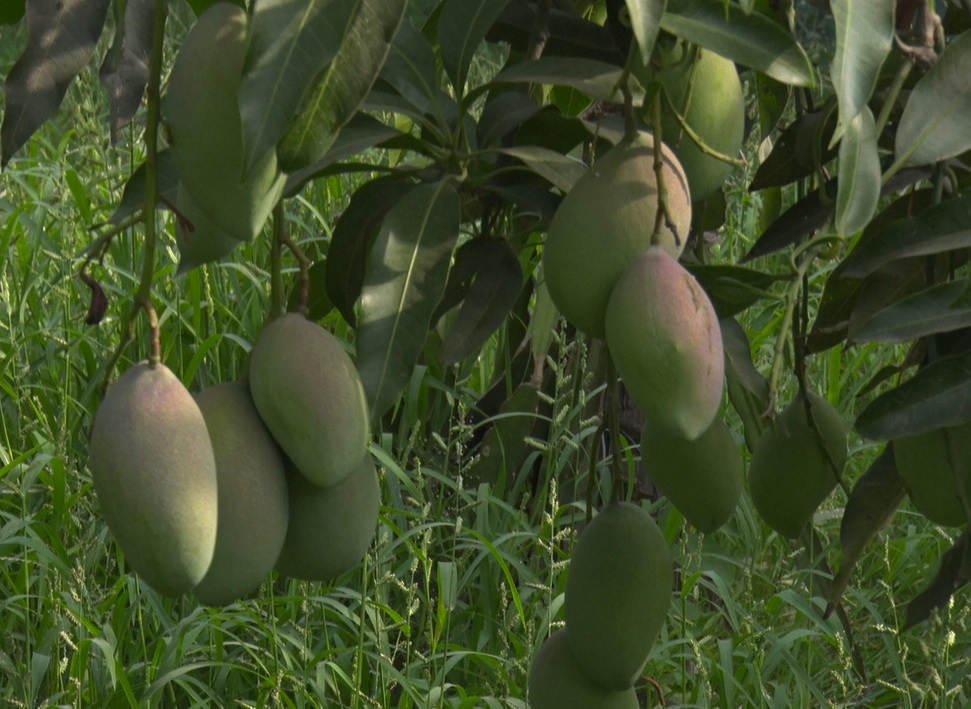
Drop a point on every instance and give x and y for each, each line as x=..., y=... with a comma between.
x=462, y=25
x=318, y=304
x=341, y=88
x=883, y=288
x=504, y=111
x=405, y=278
x=11, y=11
x=864, y=37
x=936, y=122
x=940, y=308
x=559, y=170
x=61, y=36
x=504, y=446
x=645, y=21
x=747, y=388
x=940, y=228
x=953, y=574
x=858, y=188
x=491, y=295
x=411, y=71
x=124, y=71
x=752, y=40
x=290, y=42
x=596, y=79
x=794, y=154
x=732, y=289
x=938, y=395
x=352, y=238
x=871, y=505
x=133, y=195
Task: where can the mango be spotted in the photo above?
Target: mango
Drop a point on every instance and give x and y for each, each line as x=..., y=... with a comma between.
x=617, y=594
x=557, y=682
x=924, y=466
x=663, y=335
x=703, y=478
x=330, y=529
x=604, y=222
x=253, y=496
x=310, y=396
x=154, y=474
x=201, y=112
x=792, y=469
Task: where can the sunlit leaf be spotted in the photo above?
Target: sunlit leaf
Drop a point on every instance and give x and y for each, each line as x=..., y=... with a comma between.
x=645, y=21
x=858, y=188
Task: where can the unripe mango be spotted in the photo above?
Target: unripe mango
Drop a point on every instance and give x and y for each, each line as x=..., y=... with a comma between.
x=604, y=222
x=617, y=594
x=664, y=337
x=154, y=473
x=557, y=682
x=253, y=497
x=201, y=112
x=792, y=470
x=925, y=468
x=310, y=396
x=703, y=478
x=330, y=528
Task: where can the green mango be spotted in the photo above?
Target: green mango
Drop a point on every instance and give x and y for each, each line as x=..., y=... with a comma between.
x=604, y=222
x=617, y=594
x=154, y=474
x=924, y=466
x=253, y=495
x=310, y=396
x=792, y=470
x=703, y=478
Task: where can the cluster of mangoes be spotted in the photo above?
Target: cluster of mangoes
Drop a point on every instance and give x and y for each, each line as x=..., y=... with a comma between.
x=210, y=493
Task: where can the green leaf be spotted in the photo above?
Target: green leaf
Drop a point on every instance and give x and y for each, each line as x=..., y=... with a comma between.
x=645, y=21
x=462, y=26
x=124, y=71
x=794, y=155
x=953, y=574
x=752, y=40
x=491, y=295
x=61, y=36
x=133, y=195
x=858, y=188
x=559, y=170
x=411, y=70
x=864, y=37
x=940, y=308
x=871, y=505
x=938, y=395
x=732, y=289
x=504, y=446
x=596, y=79
x=12, y=11
x=504, y=112
x=290, y=42
x=748, y=390
x=936, y=122
x=318, y=304
x=341, y=88
x=405, y=279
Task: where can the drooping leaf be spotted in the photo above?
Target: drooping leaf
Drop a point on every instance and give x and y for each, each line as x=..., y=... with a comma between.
x=341, y=88
x=645, y=21
x=490, y=297
x=61, y=36
x=936, y=396
x=870, y=507
x=352, y=238
x=504, y=446
x=940, y=308
x=290, y=43
x=881, y=289
x=405, y=278
x=12, y=11
x=752, y=40
x=124, y=71
x=732, y=289
x=858, y=188
x=559, y=170
x=594, y=78
x=747, y=388
x=936, y=122
x=504, y=112
x=410, y=70
x=462, y=26
x=133, y=195
x=953, y=574
x=864, y=37
x=797, y=150
x=773, y=98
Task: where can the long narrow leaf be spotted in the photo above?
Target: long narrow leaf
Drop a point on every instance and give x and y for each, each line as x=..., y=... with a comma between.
x=940, y=308
x=124, y=71
x=645, y=21
x=461, y=28
x=858, y=188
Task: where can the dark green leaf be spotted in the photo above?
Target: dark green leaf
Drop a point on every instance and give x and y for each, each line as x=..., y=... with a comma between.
x=318, y=304
x=290, y=43
x=61, y=36
x=858, y=189
x=645, y=21
x=559, y=170
x=799, y=221
x=795, y=154
x=405, y=278
x=124, y=71
x=773, y=97
x=954, y=573
x=504, y=446
x=940, y=308
x=133, y=196
x=341, y=88
x=11, y=11
x=747, y=388
x=752, y=40
x=870, y=507
x=732, y=289
x=880, y=289
x=198, y=238
x=411, y=70
x=504, y=112
x=936, y=123
x=938, y=395
x=462, y=25
x=594, y=78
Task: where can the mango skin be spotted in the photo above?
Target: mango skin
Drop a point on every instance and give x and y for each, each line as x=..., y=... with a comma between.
x=664, y=337
x=604, y=222
x=557, y=682
x=617, y=594
x=253, y=495
x=790, y=474
x=923, y=464
x=154, y=474
x=201, y=112
x=703, y=478
x=330, y=529
x=310, y=396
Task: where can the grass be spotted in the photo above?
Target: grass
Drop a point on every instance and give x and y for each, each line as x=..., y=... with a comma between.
x=463, y=582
